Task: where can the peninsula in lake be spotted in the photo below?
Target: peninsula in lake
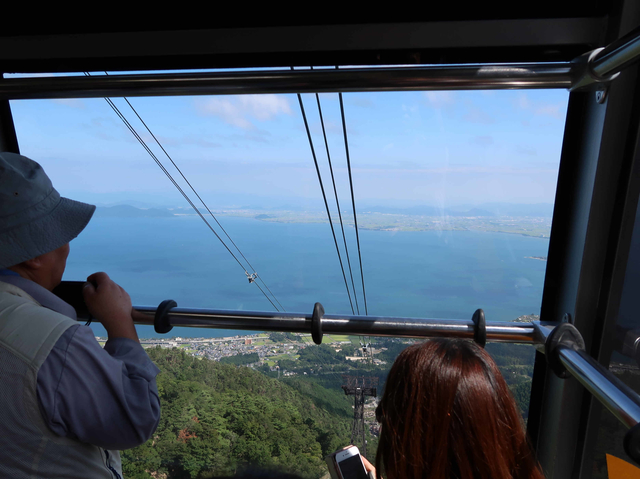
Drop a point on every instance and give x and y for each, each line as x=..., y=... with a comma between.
x=534, y=222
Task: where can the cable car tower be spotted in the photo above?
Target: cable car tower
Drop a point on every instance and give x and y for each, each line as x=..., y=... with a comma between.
x=360, y=387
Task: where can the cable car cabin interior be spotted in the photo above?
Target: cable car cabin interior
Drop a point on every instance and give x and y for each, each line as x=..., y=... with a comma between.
x=118, y=93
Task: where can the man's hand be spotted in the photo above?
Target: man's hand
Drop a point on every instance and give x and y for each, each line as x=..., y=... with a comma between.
x=111, y=305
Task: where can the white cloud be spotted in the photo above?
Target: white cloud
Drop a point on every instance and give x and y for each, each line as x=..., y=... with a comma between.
x=240, y=110
x=72, y=102
x=485, y=140
x=460, y=169
x=523, y=101
x=202, y=141
x=254, y=135
x=526, y=150
x=360, y=102
x=440, y=99
x=333, y=127
x=410, y=108
x=554, y=110
x=332, y=97
x=477, y=115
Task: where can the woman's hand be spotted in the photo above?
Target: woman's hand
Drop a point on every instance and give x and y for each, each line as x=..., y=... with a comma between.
x=368, y=466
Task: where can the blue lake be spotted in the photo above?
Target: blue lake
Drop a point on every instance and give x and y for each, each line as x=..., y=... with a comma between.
x=436, y=274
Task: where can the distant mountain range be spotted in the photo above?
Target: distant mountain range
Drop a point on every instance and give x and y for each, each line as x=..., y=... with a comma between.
x=485, y=210
x=426, y=211
x=488, y=209
x=127, y=211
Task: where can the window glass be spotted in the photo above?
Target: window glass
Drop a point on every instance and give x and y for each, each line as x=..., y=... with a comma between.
x=624, y=363
x=454, y=196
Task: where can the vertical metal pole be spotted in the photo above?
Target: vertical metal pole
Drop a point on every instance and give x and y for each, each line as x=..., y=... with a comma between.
x=536, y=397
x=356, y=417
x=559, y=413
x=8, y=138
x=362, y=427
x=622, y=133
x=585, y=241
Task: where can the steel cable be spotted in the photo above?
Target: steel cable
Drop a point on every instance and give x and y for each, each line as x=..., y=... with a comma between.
x=355, y=217
x=186, y=197
x=202, y=201
x=324, y=197
x=353, y=200
x=335, y=190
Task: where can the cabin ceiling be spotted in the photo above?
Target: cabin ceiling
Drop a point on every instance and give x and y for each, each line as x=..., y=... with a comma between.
x=447, y=34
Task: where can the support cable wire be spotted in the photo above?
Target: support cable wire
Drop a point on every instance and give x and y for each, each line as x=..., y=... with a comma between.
x=365, y=343
x=353, y=200
x=335, y=190
x=324, y=196
x=367, y=340
x=186, y=197
x=204, y=204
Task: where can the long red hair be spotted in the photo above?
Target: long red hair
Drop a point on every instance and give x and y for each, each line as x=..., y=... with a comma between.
x=447, y=413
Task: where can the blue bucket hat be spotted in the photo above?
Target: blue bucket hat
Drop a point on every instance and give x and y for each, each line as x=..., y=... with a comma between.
x=34, y=218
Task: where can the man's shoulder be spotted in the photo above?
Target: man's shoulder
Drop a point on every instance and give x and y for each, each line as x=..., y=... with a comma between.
x=11, y=292
x=27, y=328
x=18, y=305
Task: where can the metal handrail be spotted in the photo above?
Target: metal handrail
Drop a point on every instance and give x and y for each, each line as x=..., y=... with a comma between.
x=433, y=77
x=618, y=55
x=564, y=349
x=597, y=66
x=623, y=402
x=616, y=396
x=514, y=332
x=168, y=315
x=563, y=344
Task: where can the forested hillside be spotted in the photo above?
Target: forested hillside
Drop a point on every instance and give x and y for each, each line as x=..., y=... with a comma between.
x=218, y=418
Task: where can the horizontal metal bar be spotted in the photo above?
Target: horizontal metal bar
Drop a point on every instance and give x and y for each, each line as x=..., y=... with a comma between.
x=618, y=56
x=542, y=330
x=616, y=396
x=609, y=390
x=437, y=77
x=512, y=332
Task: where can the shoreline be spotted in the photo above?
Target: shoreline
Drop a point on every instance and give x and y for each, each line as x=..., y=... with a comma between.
x=451, y=226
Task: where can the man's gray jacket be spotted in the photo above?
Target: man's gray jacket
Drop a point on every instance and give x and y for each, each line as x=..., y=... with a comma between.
x=66, y=404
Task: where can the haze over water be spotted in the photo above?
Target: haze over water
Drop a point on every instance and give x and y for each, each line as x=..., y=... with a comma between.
x=446, y=149
x=433, y=274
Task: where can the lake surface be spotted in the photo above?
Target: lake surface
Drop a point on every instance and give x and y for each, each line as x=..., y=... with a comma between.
x=433, y=274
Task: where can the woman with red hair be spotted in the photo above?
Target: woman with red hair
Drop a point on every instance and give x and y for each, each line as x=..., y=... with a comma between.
x=447, y=413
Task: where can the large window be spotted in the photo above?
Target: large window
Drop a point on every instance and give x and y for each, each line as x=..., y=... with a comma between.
x=624, y=363
x=454, y=196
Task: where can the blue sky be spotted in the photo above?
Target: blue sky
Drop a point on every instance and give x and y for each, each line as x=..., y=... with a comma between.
x=435, y=148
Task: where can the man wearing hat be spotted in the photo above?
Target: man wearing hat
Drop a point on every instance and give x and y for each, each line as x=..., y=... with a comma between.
x=67, y=405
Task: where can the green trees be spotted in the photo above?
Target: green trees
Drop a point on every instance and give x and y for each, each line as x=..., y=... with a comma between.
x=516, y=365
x=218, y=418
x=241, y=359
x=283, y=337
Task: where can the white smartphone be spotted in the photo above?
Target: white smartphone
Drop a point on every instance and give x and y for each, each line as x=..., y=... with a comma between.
x=349, y=464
